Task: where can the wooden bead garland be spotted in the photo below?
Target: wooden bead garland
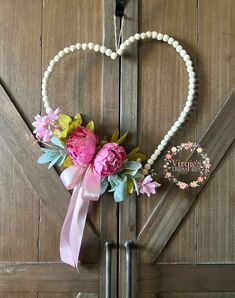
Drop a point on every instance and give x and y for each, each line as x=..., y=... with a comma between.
x=114, y=55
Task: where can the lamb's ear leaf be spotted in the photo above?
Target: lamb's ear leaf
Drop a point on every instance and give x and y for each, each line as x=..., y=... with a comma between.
x=132, y=165
x=47, y=157
x=122, y=138
x=54, y=160
x=91, y=125
x=104, y=185
x=121, y=193
x=135, y=184
x=115, y=135
x=57, y=142
x=62, y=160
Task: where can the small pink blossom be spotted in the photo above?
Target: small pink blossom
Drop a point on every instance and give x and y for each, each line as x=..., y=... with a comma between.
x=109, y=159
x=193, y=184
x=168, y=156
x=200, y=179
x=44, y=125
x=148, y=186
x=81, y=145
x=168, y=175
x=182, y=185
x=188, y=145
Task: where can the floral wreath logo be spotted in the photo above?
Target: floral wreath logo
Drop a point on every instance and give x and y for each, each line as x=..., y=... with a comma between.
x=174, y=165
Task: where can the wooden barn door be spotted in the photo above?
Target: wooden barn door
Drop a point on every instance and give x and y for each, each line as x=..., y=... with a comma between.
x=184, y=243
x=33, y=201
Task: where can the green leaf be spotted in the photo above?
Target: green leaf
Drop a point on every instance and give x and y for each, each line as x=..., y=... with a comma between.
x=132, y=165
x=57, y=142
x=121, y=192
x=122, y=138
x=47, y=157
x=115, y=135
x=91, y=125
x=133, y=151
x=64, y=121
x=54, y=160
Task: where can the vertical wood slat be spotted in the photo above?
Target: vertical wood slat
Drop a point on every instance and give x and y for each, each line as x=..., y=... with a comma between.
x=129, y=122
x=20, y=70
x=110, y=116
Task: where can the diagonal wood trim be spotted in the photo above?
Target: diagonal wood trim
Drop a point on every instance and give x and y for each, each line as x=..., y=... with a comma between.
x=47, y=184
x=173, y=207
x=186, y=278
x=48, y=277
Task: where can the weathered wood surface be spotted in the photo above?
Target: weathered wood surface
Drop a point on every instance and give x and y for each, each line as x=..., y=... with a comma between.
x=48, y=277
x=171, y=210
x=182, y=278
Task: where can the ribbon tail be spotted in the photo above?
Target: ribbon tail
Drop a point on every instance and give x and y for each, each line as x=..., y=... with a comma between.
x=73, y=229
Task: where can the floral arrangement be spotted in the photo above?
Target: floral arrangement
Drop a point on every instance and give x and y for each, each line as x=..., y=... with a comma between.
x=202, y=168
x=67, y=142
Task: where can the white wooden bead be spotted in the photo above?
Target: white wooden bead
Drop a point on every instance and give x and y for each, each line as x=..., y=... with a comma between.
x=72, y=48
x=144, y=172
x=174, y=128
x=44, y=86
x=150, y=162
x=170, y=133
x=78, y=46
x=44, y=92
x=46, y=105
x=159, y=36
x=84, y=46
x=57, y=58
x=67, y=50
x=171, y=40
x=160, y=147
x=191, y=86
x=45, y=98
x=61, y=54
x=186, y=58
x=189, y=63
x=175, y=44
x=52, y=63
x=108, y=52
x=119, y=52
x=186, y=109
x=137, y=36
x=91, y=45
x=192, y=74
x=181, y=119
x=103, y=49
x=191, y=92
x=50, y=68
x=97, y=48
x=154, y=156
x=192, y=80
x=132, y=39
x=183, y=53
x=163, y=142
x=157, y=152
x=183, y=114
x=149, y=34
x=46, y=74
x=143, y=35
x=190, y=97
x=165, y=37
x=179, y=48
x=44, y=81
x=154, y=34
x=189, y=69
x=48, y=110
x=122, y=46
x=113, y=55
x=177, y=123
x=189, y=103
x=167, y=138
x=127, y=42
x=147, y=166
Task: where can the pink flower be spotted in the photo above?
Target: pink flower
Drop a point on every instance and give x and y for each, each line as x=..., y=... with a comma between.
x=81, y=145
x=200, y=179
x=168, y=174
x=109, y=159
x=182, y=185
x=44, y=125
x=188, y=145
x=148, y=186
x=168, y=156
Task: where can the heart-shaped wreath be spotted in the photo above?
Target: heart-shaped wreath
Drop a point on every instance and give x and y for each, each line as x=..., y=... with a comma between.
x=96, y=164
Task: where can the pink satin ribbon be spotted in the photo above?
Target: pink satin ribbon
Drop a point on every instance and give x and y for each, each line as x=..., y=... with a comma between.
x=86, y=187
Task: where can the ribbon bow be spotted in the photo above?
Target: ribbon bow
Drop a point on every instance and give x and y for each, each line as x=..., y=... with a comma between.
x=85, y=183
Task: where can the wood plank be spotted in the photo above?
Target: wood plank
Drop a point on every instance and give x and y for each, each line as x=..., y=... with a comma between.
x=50, y=189
x=48, y=277
x=173, y=207
x=163, y=278
x=129, y=122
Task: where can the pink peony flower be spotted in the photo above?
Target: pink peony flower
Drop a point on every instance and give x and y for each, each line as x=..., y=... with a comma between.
x=148, y=186
x=81, y=145
x=109, y=159
x=44, y=125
